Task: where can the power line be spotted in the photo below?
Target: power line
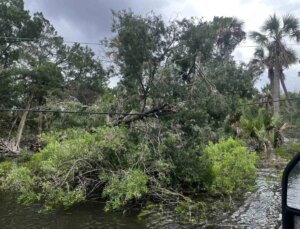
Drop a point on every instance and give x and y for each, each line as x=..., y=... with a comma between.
x=69, y=112
x=118, y=113
x=25, y=39
x=270, y=101
x=257, y=46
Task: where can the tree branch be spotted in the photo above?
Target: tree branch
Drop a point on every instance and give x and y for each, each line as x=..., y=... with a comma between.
x=165, y=108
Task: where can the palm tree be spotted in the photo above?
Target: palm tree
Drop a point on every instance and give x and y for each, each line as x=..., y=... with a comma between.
x=264, y=59
x=275, y=32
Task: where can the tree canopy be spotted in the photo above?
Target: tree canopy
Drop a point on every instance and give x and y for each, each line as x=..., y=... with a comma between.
x=180, y=122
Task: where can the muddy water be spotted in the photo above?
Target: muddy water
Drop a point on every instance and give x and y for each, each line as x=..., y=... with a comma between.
x=84, y=216
x=260, y=209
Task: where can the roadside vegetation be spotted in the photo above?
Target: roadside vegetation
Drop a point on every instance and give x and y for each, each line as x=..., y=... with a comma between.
x=184, y=124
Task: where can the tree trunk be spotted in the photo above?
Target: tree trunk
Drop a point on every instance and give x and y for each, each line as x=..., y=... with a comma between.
x=276, y=91
x=23, y=121
x=271, y=77
x=40, y=125
x=289, y=104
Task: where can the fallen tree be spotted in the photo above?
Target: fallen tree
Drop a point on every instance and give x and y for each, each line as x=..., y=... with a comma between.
x=9, y=148
x=154, y=112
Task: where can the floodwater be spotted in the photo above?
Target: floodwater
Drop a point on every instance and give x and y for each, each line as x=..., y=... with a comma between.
x=259, y=209
x=262, y=208
x=84, y=216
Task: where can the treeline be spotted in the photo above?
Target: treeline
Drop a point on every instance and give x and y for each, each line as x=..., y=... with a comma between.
x=156, y=64
x=172, y=124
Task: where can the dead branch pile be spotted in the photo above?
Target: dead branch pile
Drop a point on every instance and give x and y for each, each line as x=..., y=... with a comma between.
x=8, y=148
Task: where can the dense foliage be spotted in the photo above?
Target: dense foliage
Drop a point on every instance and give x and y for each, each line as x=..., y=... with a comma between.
x=232, y=166
x=171, y=129
x=113, y=164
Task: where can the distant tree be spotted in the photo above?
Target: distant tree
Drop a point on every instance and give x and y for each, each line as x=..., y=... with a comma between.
x=263, y=58
x=85, y=77
x=204, y=41
x=140, y=47
x=15, y=24
x=275, y=31
x=188, y=63
x=228, y=32
x=36, y=73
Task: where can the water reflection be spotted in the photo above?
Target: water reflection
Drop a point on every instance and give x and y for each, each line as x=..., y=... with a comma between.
x=261, y=209
x=89, y=215
x=293, y=190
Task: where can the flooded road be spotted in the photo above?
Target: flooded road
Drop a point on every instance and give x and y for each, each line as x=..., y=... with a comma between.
x=260, y=209
x=84, y=216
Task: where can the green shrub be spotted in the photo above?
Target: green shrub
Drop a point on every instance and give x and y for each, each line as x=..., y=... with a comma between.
x=5, y=167
x=73, y=161
x=232, y=166
x=259, y=127
x=59, y=175
x=123, y=167
x=186, y=167
x=122, y=188
x=58, y=196
x=22, y=180
x=19, y=178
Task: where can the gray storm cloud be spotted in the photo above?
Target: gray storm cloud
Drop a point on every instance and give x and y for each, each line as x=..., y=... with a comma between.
x=89, y=19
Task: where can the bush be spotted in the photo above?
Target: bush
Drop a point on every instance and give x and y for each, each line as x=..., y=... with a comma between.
x=64, y=171
x=122, y=188
x=75, y=162
x=5, y=167
x=255, y=125
x=124, y=167
x=232, y=166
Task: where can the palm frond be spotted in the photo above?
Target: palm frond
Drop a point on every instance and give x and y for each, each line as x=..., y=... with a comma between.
x=288, y=56
x=272, y=26
x=290, y=24
x=262, y=57
x=272, y=47
x=259, y=53
x=235, y=22
x=296, y=35
x=259, y=38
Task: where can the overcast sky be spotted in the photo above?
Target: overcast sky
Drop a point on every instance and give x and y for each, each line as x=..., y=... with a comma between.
x=90, y=20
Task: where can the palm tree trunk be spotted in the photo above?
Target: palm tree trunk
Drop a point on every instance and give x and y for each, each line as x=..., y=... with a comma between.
x=276, y=91
x=271, y=77
x=23, y=121
x=289, y=104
